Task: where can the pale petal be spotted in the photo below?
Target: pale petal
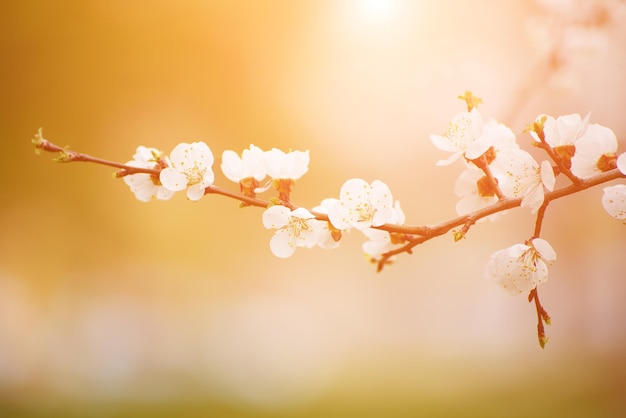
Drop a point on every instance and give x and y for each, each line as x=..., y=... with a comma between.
x=307, y=237
x=443, y=143
x=207, y=178
x=232, y=166
x=474, y=202
x=185, y=156
x=145, y=154
x=339, y=216
x=324, y=236
x=164, y=194
x=614, y=201
x=398, y=217
x=282, y=244
x=302, y=213
x=172, y=179
x=565, y=130
x=296, y=164
x=195, y=192
x=498, y=135
x=141, y=185
x=380, y=195
x=477, y=148
x=517, y=250
x=598, y=140
x=326, y=205
x=254, y=163
x=381, y=217
x=544, y=249
x=499, y=271
x=450, y=159
x=276, y=216
x=354, y=191
x=547, y=175
x=621, y=163
x=274, y=160
x=540, y=275
x=378, y=244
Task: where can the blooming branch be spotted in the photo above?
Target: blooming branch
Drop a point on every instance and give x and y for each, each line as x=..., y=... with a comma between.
x=499, y=176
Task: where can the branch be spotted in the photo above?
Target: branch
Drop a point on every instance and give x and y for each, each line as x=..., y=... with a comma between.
x=429, y=232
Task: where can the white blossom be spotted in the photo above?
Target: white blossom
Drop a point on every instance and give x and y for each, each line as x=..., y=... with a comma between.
x=251, y=164
x=521, y=267
x=291, y=165
x=621, y=163
x=190, y=166
x=379, y=241
x=463, y=137
x=475, y=192
x=362, y=205
x=523, y=177
x=297, y=228
x=145, y=185
x=614, y=201
x=563, y=131
x=594, y=151
x=329, y=235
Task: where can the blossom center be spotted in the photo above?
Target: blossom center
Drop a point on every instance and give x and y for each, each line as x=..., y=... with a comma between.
x=194, y=174
x=296, y=226
x=528, y=260
x=364, y=211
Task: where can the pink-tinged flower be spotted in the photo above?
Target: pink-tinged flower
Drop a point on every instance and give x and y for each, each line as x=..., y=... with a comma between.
x=595, y=152
x=362, y=205
x=297, y=228
x=521, y=267
x=614, y=201
x=189, y=167
x=145, y=185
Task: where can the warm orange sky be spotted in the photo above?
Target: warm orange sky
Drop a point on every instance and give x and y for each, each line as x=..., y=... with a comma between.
x=99, y=293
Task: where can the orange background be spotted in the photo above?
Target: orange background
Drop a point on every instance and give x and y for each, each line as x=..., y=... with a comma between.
x=180, y=309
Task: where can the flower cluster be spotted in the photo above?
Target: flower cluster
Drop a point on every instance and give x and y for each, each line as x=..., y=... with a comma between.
x=498, y=175
x=187, y=167
x=496, y=168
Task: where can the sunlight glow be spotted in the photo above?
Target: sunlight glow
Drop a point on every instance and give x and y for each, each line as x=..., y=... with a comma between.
x=378, y=11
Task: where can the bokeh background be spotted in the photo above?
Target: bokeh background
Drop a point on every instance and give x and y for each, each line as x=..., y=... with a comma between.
x=110, y=307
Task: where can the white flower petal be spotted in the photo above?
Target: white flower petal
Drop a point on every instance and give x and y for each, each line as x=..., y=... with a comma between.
x=621, y=163
x=172, y=179
x=520, y=268
x=443, y=143
x=380, y=195
x=614, y=201
x=544, y=249
x=232, y=166
x=276, y=216
x=286, y=166
x=547, y=175
x=597, y=141
x=282, y=244
x=195, y=192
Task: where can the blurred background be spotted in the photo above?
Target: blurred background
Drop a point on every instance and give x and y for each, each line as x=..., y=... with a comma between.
x=110, y=307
